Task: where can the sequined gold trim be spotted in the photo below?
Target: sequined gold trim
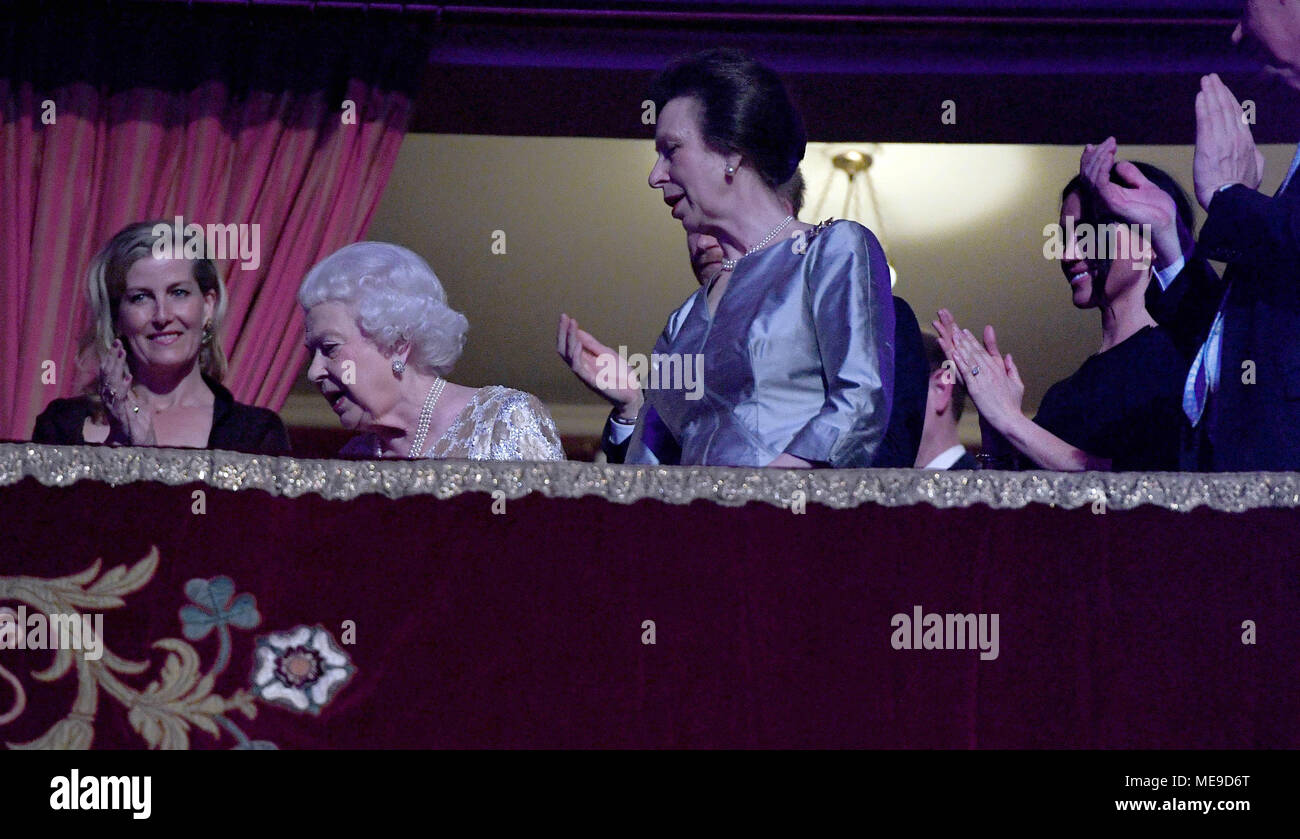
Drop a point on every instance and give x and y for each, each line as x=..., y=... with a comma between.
x=343, y=480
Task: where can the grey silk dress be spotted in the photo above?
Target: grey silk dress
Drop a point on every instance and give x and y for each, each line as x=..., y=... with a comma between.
x=798, y=358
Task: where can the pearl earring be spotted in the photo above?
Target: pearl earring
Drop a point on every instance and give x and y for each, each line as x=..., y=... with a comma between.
x=730, y=170
x=398, y=367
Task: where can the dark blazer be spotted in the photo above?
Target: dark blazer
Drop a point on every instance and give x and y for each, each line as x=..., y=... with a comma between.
x=911, y=381
x=907, y=416
x=241, y=428
x=966, y=461
x=1187, y=308
x=1253, y=421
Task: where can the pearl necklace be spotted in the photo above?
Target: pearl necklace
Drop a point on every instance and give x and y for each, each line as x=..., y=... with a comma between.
x=422, y=426
x=730, y=264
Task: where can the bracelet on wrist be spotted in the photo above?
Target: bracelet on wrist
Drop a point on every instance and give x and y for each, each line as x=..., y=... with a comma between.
x=615, y=418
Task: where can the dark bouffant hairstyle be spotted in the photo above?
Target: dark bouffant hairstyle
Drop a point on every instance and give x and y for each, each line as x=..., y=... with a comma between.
x=745, y=109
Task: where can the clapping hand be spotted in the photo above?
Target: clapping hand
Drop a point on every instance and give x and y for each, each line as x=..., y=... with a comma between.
x=599, y=367
x=1134, y=198
x=1225, y=149
x=991, y=379
x=128, y=424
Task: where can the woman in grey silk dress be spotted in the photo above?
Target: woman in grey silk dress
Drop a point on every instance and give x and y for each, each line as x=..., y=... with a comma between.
x=795, y=334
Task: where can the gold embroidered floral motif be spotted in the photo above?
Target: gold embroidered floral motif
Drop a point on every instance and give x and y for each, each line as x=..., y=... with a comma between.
x=164, y=711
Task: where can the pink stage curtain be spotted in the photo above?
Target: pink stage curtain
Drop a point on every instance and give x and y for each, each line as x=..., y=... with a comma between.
x=217, y=148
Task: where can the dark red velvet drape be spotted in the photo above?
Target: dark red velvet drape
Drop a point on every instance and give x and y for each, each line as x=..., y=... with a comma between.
x=1118, y=630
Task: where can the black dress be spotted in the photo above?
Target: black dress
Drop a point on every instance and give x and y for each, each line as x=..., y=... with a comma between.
x=236, y=427
x=1125, y=404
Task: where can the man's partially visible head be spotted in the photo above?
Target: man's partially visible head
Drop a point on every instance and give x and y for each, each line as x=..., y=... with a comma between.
x=945, y=397
x=706, y=253
x=1270, y=31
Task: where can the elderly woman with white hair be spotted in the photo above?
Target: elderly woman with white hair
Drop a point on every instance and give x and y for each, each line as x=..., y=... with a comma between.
x=382, y=338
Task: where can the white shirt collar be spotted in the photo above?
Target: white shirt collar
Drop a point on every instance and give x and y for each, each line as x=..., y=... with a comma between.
x=947, y=459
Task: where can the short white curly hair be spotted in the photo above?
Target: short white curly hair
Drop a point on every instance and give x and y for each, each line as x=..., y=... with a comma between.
x=397, y=298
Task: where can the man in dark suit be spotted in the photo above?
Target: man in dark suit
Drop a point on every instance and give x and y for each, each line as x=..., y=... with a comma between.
x=911, y=376
x=945, y=402
x=1242, y=395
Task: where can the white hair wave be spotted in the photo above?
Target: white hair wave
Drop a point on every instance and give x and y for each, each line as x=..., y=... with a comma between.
x=396, y=297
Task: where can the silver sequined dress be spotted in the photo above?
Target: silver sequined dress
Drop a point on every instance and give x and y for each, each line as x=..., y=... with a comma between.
x=498, y=424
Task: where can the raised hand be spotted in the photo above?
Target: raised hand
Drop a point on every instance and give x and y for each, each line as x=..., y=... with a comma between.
x=130, y=423
x=599, y=367
x=1225, y=149
x=991, y=379
x=943, y=329
x=1134, y=198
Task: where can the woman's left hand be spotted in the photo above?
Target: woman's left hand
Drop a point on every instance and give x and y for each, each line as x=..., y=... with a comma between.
x=991, y=379
x=128, y=424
